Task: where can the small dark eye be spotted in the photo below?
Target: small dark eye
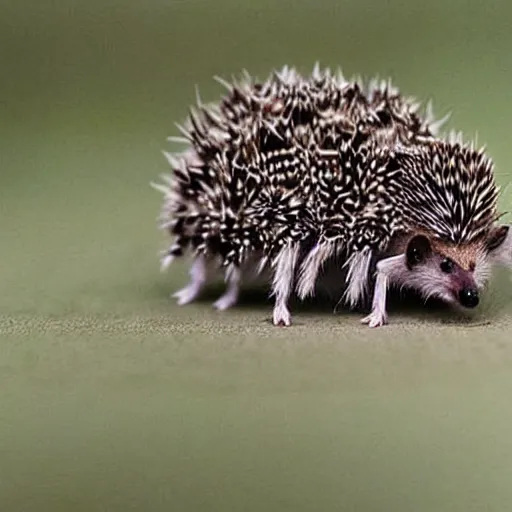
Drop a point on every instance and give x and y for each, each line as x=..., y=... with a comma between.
x=447, y=266
x=415, y=256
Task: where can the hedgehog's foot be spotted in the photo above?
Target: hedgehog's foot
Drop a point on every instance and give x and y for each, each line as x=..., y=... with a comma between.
x=281, y=315
x=187, y=294
x=197, y=280
x=375, y=319
x=230, y=297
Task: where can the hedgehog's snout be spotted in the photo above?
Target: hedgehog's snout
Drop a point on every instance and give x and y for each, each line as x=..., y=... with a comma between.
x=468, y=297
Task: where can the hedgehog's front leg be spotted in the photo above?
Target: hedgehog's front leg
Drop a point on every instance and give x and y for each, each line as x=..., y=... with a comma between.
x=378, y=316
x=198, y=276
x=282, y=283
x=385, y=268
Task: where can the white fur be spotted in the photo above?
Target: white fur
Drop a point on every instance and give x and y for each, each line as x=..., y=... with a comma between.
x=378, y=316
x=165, y=262
x=282, y=283
x=386, y=270
x=281, y=315
x=230, y=296
x=427, y=279
x=262, y=265
x=311, y=267
x=483, y=270
x=198, y=277
x=357, y=276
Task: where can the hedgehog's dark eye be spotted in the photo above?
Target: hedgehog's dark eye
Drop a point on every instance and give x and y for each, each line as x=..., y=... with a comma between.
x=447, y=266
x=415, y=256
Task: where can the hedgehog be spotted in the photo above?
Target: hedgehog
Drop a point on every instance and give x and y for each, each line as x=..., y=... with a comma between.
x=311, y=183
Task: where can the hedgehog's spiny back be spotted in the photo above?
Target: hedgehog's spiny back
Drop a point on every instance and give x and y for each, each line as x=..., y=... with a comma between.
x=291, y=159
x=288, y=110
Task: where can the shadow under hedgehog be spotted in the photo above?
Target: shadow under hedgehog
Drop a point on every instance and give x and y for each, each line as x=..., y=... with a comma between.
x=283, y=176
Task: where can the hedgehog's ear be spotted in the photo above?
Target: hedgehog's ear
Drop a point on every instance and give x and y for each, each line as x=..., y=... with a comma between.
x=496, y=238
x=418, y=250
x=499, y=245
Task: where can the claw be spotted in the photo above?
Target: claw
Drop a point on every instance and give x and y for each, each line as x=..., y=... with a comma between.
x=281, y=316
x=375, y=319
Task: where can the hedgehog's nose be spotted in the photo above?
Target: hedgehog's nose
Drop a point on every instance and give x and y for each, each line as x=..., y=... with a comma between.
x=468, y=297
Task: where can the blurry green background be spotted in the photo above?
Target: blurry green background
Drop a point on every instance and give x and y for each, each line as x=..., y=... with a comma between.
x=111, y=397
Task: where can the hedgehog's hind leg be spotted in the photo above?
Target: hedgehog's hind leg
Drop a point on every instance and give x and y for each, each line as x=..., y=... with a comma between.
x=198, y=276
x=282, y=283
x=310, y=268
x=230, y=297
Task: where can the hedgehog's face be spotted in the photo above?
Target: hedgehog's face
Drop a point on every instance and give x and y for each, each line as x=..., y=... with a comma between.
x=455, y=274
x=436, y=274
